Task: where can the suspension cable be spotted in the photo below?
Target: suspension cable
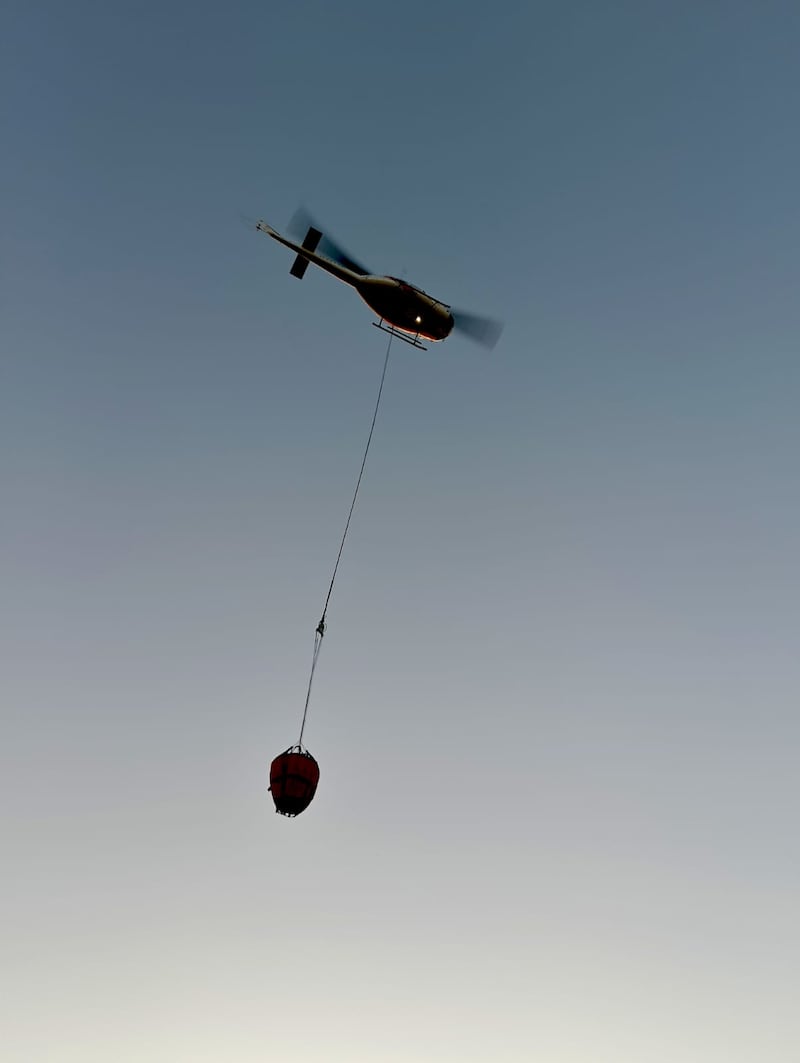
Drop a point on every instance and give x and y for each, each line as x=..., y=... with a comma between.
x=319, y=633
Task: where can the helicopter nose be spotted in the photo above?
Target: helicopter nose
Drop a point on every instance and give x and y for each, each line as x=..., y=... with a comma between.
x=442, y=323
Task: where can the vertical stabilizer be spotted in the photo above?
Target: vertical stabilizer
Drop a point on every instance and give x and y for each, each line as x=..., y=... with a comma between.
x=300, y=264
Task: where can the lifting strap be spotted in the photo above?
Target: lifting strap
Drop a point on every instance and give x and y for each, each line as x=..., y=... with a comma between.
x=320, y=632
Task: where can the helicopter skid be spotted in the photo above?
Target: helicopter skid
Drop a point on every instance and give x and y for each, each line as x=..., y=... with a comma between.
x=412, y=340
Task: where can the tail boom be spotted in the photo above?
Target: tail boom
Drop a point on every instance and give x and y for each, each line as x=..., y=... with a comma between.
x=306, y=253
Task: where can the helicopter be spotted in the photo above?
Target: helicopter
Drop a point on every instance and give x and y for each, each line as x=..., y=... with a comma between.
x=405, y=311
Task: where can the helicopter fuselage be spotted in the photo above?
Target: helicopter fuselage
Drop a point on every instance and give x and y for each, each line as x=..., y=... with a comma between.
x=399, y=304
x=405, y=307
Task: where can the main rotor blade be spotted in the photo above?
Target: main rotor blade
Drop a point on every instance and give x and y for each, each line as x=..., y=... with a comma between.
x=483, y=330
x=300, y=224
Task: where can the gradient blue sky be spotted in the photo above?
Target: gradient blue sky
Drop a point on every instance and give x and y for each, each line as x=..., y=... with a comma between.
x=556, y=708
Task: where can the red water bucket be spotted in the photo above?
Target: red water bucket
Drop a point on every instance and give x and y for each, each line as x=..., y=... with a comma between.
x=293, y=778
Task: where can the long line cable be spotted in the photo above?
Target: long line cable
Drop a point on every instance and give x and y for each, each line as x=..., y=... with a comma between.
x=318, y=635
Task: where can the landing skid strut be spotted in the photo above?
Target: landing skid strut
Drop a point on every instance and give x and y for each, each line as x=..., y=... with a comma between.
x=404, y=336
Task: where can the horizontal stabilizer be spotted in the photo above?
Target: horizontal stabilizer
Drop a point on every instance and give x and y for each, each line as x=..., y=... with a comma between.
x=300, y=264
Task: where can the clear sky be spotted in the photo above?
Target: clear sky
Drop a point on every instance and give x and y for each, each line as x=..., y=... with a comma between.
x=556, y=707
